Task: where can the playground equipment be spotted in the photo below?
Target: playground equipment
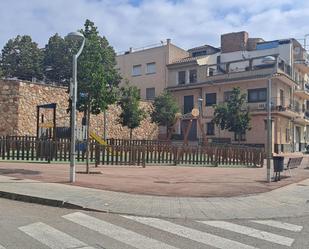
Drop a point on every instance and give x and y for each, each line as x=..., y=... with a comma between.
x=48, y=124
x=97, y=138
x=46, y=129
x=186, y=121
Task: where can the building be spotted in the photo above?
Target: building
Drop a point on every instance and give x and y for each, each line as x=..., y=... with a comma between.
x=146, y=67
x=207, y=76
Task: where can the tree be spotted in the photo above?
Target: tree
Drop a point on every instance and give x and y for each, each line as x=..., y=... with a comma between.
x=58, y=58
x=131, y=115
x=165, y=110
x=97, y=77
x=22, y=58
x=233, y=115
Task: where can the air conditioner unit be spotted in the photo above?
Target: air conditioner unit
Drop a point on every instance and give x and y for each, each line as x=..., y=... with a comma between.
x=261, y=106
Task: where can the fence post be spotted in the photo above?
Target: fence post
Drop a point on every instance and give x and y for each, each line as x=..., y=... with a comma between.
x=175, y=152
x=97, y=155
x=143, y=157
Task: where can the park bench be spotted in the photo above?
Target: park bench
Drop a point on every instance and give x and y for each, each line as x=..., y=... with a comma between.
x=293, y=163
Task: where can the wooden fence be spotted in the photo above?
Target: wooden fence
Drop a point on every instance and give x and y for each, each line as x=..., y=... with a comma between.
x=128, y=153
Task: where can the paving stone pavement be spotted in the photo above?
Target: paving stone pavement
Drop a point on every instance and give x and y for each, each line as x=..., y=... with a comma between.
x=288, y=201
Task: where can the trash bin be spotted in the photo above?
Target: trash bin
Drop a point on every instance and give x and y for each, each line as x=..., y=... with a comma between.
x=278, y=167
x=278, y=163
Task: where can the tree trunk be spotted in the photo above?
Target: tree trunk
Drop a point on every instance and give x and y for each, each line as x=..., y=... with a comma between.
x=239, y=138
x=131, y=134
x=88, y=139
x=169, y=132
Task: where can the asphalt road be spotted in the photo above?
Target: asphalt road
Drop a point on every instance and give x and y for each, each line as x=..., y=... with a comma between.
x=31, y=226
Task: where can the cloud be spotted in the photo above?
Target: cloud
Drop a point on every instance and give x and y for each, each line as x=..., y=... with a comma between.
x=135, y=23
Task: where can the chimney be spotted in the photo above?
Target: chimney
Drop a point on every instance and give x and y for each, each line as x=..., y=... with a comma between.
x=131, y=50
x=236, y=41
x=168, y=41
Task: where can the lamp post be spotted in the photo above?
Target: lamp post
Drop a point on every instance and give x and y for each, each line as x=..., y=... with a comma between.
x=269, y=60
x=73, y=95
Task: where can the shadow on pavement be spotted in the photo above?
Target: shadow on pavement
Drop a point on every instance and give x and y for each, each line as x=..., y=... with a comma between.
x=19, y=171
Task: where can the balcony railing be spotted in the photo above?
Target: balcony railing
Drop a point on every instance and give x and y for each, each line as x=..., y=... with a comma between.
x=280, y=105
x=302, y=85
x=238, y=69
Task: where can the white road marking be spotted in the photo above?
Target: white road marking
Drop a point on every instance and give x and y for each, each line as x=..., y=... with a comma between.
x=52, y=237
x=189, y=233
x=259, y=234
x=115, y=232
x=279, y=224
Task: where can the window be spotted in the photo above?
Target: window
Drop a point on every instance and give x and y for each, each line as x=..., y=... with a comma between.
x=241, y=135
x=227, y=96
x=150, y=93
x=151, y=68
x=188, y=104
x=211, y=71
x=137, y=70
x=287, y=135
x=192, y=76
x=211, y=99
x=181, y=77
x=281, y=97
x=210, y=128
x=257, y=95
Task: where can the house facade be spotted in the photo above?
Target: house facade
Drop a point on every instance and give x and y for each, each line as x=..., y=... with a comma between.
x=146, y=67
x=207, y=76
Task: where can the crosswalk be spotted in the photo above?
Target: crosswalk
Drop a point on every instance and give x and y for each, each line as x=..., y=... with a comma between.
x=206, y=234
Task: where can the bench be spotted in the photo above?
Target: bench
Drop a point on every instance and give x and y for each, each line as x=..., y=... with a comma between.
x=293, y=163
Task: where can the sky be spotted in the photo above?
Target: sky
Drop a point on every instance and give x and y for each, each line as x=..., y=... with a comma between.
x=137, y=23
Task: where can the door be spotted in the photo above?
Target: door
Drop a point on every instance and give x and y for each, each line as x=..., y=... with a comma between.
x=297, y=138
x=188, y=103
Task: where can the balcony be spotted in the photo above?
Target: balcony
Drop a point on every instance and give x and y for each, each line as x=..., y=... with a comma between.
x=282, y=107
x=246, y=69
x=302, y=90
x=301, y=61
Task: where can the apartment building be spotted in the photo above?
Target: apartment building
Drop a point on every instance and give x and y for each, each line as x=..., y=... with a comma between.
x=146, y=67
x=208, y=74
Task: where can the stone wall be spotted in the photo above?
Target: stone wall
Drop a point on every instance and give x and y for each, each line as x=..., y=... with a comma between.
x=9, y=97
x=18, y=110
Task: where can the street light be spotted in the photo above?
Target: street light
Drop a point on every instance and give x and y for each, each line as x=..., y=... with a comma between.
x=73, y=95
x=269, y=60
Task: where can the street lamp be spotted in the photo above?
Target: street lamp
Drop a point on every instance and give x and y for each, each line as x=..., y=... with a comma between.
x=73, y=95
x=269, y=60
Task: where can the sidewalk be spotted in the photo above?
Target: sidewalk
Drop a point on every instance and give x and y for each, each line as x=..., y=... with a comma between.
x=292, y=200
x=170, y=181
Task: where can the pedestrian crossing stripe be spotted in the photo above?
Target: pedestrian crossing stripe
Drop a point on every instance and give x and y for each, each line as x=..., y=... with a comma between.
x=252, y=232
x=52, y=237
x=189, y=233
x=278, y=224
x=115, y=232
x=56, y=239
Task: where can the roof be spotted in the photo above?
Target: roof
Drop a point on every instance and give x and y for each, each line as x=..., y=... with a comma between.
x=202, y=47
x=188, y=59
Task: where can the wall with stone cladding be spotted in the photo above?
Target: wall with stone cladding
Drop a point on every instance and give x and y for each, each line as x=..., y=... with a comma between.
x=24, y=98
x=9, y=98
